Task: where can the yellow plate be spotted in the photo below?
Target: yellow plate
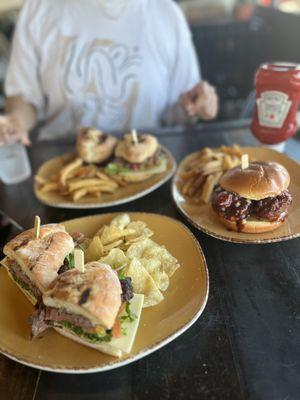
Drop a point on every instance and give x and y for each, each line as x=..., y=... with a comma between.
x=203, y=217
x=184, y=302
x=122, y=195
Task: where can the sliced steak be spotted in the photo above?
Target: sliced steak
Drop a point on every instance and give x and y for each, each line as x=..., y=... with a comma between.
x=45, y=317
x=21, y=278
x=38, y=323
x=78, y=237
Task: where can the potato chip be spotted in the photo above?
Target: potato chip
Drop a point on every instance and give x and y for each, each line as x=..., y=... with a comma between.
x=150, y=264
x=143, y=283
x=112, y=245
x=161, y=279
x=116, y=258
x=149, y=249
x=140, y=229
x=168, y=262
x=94, y=251
x=154, y=268
x=112, y=233
x=120, y=221
x=136, y=250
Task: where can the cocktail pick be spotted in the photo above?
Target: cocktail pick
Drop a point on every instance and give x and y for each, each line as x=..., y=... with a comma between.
x=37, y=226
x=134, y=136
x=79, y=260
x=245, y=161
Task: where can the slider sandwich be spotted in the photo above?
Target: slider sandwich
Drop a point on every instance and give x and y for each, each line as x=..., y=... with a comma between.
x=34, y=263
x=93, y=307
x=137, y=157
x=94, y=146
x=254, y=199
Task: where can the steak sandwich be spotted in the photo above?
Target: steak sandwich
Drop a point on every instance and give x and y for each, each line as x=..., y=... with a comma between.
x=138, y=160
x=254, y=199
x=34, y=263
x=92, y=307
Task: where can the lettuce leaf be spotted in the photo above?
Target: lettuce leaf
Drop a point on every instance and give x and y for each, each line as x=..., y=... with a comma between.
x=91, y=337
x=115, y=169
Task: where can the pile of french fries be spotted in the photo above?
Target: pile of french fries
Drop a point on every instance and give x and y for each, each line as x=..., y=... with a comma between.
x=204, y=170
x=78, y=180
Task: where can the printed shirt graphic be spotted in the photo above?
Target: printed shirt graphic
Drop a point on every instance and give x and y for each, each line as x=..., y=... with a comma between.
x=113, y=64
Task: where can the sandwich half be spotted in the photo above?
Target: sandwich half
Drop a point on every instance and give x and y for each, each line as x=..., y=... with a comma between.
x=93, y=308
x=34, y=263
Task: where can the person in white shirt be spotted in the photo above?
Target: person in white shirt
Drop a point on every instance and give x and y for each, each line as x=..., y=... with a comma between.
x=110, y=64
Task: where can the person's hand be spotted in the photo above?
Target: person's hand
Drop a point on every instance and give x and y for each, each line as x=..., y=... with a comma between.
x=201, y=101
x=11, y=131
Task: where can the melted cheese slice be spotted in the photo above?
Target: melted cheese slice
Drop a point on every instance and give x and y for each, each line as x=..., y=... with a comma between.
x=125, y=342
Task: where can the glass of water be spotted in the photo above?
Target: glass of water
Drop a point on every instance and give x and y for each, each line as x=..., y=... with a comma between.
x=14, y=164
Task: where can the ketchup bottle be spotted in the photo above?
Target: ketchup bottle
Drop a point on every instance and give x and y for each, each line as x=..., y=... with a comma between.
x=277, y=96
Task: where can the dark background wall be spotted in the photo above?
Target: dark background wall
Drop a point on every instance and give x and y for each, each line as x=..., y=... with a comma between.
x=231, y=51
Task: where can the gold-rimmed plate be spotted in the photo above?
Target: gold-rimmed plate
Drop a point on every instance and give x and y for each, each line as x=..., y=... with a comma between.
x=203, y=217
x=122, y=195
x=184, y=302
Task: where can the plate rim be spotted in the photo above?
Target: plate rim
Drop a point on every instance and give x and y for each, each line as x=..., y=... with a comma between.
x=201, y=228
x=87, y=206
x=116, y=363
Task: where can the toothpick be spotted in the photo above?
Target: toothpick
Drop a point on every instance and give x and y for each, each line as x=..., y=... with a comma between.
x=79, y=260
x=245, y=161
x=134, y=136
x=37, y=226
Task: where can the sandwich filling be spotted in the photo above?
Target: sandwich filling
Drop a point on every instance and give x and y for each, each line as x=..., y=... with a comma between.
x=46, y=317
x=157, y=160
x=238, y=209
x=22, y=279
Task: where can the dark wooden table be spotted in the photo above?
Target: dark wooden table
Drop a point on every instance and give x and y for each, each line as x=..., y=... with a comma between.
x=245, y=345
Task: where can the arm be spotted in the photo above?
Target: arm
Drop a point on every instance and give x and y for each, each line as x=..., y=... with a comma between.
x=25, y=97
x=20, y=117
x=21, y=111
x=189, y=97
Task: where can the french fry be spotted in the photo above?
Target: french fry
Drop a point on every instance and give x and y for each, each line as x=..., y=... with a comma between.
x=233, y=151
x=203, y=170
x=50, y=187
x=78, y=194
x=208, y=187
x=227, y=162
x=40, y=180
x=120, y=180
x=101, y=175
x=90, y=183
x=95, y=193
x=187, y=185
x=68, y=169
x=89, y=171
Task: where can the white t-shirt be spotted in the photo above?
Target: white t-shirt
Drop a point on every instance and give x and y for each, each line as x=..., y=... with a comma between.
x=111, y=64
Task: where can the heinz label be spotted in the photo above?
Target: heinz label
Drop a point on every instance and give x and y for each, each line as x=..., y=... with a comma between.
x=273, y=107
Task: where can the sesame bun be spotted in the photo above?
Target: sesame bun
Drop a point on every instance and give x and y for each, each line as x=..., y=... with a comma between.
x=258, y=181
x=94, y=294
x=41, y=258
x=93, y=147
x=139, y=152
x=250, y=225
